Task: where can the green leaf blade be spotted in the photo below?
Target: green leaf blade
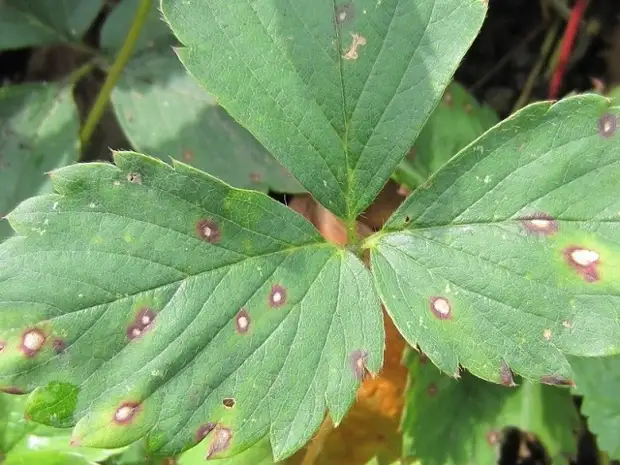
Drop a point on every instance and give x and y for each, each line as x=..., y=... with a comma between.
x=525, y=199
x=184, y=303
x=38, y=132
x=450, y=422
x=43, y=22
x=324, y=87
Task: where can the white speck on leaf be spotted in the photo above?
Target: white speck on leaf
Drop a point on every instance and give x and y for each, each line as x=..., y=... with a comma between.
x=442, y=306
x=33, y=340
x=584, y=257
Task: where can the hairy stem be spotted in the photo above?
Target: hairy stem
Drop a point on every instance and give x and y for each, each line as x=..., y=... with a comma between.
x=115, y=71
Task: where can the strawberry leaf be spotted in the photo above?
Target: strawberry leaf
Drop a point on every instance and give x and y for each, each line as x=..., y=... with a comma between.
x=174, y=306
x=335, y=90
x=509, y=257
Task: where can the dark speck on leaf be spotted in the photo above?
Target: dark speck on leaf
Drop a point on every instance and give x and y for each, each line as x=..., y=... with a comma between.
x=59, y=345
x=135, y=178
x=229, y=402
x=432, y=390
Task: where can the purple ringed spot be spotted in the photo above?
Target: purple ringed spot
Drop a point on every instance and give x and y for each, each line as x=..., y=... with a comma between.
x=540, y=223
x=220, y=442
x=441, y=308
x=506, y=375
x=607, y=125
x=32, y=342
x=208, y=231
x=584, y=261
x=242, y=321
x=125, y=413
x=277, y=296
x=204, y=430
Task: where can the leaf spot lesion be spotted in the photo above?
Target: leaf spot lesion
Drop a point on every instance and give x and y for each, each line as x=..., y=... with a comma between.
x=357, y=41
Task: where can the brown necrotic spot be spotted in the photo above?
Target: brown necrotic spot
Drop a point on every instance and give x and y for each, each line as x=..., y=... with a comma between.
x=12, y=390
x=584, y=261
x=220, y=442
x=126, y=412
x=142, y=323
x=229, y=402
x=607, y=125
x=32, y=341
x=256, y=177
x=440, y=306
x=492, y=438
x=357, y=41
x=431, y=390
x=204, y=430
x=208, y=230
x=357, y=362
x=2, y=345
x=136, y=178
x=556, y=380
x=505, y=375
x=540, y=223
x=59, y=345
x=277, y=296
x=344, y=12
x=242, y=321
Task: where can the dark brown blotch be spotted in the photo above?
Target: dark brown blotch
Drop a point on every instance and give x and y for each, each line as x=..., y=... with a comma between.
x=229, y=402
x=142, y=323
x=277, y=296
x=431, y=390
x=505, y=375
x=556, y=380
x=540, y=223
x=221, y=440
x=59, y=345
x=208, y=230
x=607, y=125
x=357, y=363
x=204, y=430
x=242, y=321
x=344, y=12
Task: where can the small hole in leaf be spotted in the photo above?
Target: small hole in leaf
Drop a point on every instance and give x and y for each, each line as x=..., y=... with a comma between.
x=135, y=178
x=208, y=230
x=229, y=402
x=407, y=220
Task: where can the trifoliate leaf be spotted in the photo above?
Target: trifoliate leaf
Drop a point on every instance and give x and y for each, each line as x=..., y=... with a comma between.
x=462, y=422
x=181, y=309
x=509, y=257
x=38, y=132
x=336, y=90
x=41, y=22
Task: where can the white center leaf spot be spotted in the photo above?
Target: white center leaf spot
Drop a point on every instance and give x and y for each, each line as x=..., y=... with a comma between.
x=146, y=320
x=442, y=306
x=277, y=297
x=124, y=413
x=584, y=257
x=541, y=224
x=135, y=332
x=33, y=340
x=243, y=323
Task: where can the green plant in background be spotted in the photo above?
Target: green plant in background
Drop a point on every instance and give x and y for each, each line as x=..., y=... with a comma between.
x=151, y=303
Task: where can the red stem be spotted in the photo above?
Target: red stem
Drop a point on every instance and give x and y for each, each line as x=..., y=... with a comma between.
x=572, y=28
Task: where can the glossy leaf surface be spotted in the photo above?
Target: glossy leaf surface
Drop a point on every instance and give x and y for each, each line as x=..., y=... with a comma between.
x=30, y=23
x=463, y=422
x=336, y=90
x=38, y=132
x=509, y=257
x=167, y=304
